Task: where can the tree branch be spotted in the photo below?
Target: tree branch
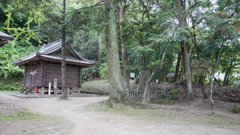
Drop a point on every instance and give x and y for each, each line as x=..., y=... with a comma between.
x=133, y=32
x=48, y=22
x=149, y=79
x=80, y=9
x=87, y=7
x=194, y=5
x=164, y=8
x=57, y=6
x=219, y=56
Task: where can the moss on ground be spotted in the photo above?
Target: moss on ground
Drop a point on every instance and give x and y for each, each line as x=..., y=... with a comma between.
x=100, y=87
x=24, y=114
x=23, y=121
x=167, y=114
x=236, y=109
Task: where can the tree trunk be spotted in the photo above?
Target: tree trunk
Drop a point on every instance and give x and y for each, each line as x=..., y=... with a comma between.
x=177, y=66
x=201, y=82
x=194, y=40
x=215, y=79
x=212, y=103
x=114, y=71
x=126, y=77
x=164, y=83
x=149, y=79
x=64, y=88
x=185, y=51
x=143, y=77
x=99, y=49
x=225, y=81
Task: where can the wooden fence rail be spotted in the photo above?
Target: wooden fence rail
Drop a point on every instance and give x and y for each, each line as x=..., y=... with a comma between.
x=140, y=94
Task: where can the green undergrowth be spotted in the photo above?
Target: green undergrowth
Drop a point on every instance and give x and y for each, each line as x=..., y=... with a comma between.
x=167, y=114
x=12, y=83
x=100, y=87
x=22, y=115
x=236, y=109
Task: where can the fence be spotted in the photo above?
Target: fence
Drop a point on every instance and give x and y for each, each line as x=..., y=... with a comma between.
x=140, y=94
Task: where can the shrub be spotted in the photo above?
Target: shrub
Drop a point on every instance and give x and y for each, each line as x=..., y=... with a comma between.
x=236, y=109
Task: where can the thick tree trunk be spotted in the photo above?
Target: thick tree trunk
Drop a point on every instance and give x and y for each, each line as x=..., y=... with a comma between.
x=64, y=88
x=185, y=51
x=143, y=77
x=114, y=71
x=177, y=66
x=126, y=77
x=187, y=71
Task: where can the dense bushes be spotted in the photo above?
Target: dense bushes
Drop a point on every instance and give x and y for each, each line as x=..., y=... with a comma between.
x=12, y=83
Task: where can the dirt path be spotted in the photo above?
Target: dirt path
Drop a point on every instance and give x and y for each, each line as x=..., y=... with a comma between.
x=87, y=122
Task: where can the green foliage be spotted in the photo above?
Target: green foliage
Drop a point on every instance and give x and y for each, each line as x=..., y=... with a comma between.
x=104, y=70
x=86, y=44
x=14, y=51
x=164, y=96
x=174, y=94
x=12, y=83
x=93, y=70
x=236, y=109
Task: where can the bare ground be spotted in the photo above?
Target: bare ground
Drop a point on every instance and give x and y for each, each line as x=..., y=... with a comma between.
x=73, y=117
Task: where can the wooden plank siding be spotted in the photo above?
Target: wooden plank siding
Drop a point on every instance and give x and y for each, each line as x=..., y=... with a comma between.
x=35, y=79
x=80, y=77
x=72, y=75
x=45, y=73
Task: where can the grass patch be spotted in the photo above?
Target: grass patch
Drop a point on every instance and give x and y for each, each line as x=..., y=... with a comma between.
x=236, y=109
x=21, y=115
x=221, y=120
x=100, y=87
x=133, y=112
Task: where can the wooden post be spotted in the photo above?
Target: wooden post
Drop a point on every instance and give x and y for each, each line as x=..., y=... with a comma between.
x=79, y=90
x=49, y=89
x=25, y=76
x=68, y=90
x=80, y=77
x=55, y=85
x=42, y=90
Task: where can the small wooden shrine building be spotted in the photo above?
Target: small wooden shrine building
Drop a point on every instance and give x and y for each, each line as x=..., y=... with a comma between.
x=4, y=38
x=42, y=66
x=170, y=76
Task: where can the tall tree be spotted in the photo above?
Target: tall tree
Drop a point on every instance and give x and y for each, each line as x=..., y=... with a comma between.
x=64, y=88
x=185, y=46
x=126, y=78
x=114, y=71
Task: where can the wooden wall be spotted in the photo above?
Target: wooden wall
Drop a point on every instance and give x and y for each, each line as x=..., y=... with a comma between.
x=33, y=75
x=45, y=73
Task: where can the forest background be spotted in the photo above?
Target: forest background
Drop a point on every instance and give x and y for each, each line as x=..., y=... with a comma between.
x=199, y=38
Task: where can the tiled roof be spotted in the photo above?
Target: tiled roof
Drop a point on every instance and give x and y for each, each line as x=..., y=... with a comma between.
x=5, y=36
x=47, y=53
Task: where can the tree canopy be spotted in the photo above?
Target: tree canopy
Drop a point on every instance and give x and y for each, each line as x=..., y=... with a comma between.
x=191, y=30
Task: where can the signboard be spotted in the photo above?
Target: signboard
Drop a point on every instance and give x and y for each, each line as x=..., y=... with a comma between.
x=132, y=75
